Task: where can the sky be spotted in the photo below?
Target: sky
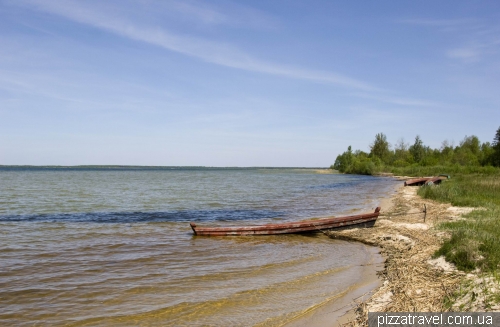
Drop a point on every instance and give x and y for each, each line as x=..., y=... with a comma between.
x=241, y=83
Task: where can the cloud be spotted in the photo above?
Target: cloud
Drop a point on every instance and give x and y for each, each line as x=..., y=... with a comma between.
x=464, y=53
x=476, y=49
x=77, y=93
x=478, y=38
x=232, y=14
x=200, y=12
x=209, y=51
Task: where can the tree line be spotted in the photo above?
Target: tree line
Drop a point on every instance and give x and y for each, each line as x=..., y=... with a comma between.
x=469, y=152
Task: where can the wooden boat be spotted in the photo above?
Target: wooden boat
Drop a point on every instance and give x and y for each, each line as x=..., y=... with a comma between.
x=434, y=180
x=417, y=181
x=290, y=228
x=426, y=180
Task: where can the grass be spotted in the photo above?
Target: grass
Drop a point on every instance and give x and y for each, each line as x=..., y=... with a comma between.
x=454, y=170
x=475, y=241
x=472, y=190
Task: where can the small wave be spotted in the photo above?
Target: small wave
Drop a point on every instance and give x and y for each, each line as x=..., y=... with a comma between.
x=336, y=185
x=144, y=217
x=351, y=181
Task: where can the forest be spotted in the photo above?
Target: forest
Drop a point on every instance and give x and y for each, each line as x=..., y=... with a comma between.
x=469, y=156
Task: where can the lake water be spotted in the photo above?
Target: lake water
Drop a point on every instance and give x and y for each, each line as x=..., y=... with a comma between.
x=113, y=247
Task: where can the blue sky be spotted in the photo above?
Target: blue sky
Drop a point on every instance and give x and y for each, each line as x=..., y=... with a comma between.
x=241, y=83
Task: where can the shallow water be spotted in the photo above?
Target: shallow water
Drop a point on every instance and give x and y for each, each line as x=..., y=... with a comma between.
x=113, y=247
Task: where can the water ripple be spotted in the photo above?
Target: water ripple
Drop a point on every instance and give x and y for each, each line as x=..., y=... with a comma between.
x=144, y=217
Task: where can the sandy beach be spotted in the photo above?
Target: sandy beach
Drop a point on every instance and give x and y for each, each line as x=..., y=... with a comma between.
x=341, y=310
x=409, y=279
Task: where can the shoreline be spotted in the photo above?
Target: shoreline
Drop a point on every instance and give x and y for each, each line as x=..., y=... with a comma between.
x=342, y=310
x=411, y=280
x=338, y=309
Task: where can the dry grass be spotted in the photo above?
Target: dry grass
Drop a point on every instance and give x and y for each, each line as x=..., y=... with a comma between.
x=490, y=182
x=411, y=282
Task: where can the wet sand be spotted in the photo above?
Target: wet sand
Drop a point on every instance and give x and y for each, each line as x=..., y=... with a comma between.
x=341, y=310
x=335, y=311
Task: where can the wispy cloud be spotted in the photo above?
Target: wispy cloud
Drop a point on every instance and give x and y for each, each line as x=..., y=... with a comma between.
x=477, y=38
x=199, y=12
x=77, y=94
x=466, y=54
x=209, y=51
x=477, y=49
x=231, y=14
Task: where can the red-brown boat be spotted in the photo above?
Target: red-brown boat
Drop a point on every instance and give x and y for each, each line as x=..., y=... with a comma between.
x=417, y=181
x=290, y=228
x=426, y=180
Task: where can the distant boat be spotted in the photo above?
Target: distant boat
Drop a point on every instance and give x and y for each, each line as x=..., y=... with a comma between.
x=426, y=180
x=417, y=181
x=367, y=220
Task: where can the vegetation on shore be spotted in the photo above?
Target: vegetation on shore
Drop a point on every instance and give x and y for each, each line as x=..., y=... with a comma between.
x=470, y=156
x=475, y=241
x=475, y=170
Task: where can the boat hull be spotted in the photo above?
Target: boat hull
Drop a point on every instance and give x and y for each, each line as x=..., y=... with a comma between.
x=290, y=228
x=426, y=180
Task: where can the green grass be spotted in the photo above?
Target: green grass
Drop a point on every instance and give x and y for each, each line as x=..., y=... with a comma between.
x=366, y=166
x=454, y=170
x=473, y=190
x=475, y=241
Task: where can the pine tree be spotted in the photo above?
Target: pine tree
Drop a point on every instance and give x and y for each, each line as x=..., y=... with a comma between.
x=496, y=149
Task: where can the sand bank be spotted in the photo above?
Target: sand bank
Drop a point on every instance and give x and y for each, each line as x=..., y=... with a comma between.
x=411, y=280
x=406, y=236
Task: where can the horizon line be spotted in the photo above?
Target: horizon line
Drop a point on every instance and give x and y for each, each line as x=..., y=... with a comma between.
x=158, y=166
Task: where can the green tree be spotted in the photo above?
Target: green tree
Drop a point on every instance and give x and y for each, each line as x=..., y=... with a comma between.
x=465, y=157
x=343, y=162
x=402, y=156
x=380, y=148
x=468, y=153
x=417, y=150
x=487, y=152
x=496, y=149
x=447, y=151
x=471, y=143
x=430, y=157
x=356, y=163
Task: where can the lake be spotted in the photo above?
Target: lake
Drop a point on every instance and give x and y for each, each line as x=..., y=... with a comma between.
x=101, y=246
